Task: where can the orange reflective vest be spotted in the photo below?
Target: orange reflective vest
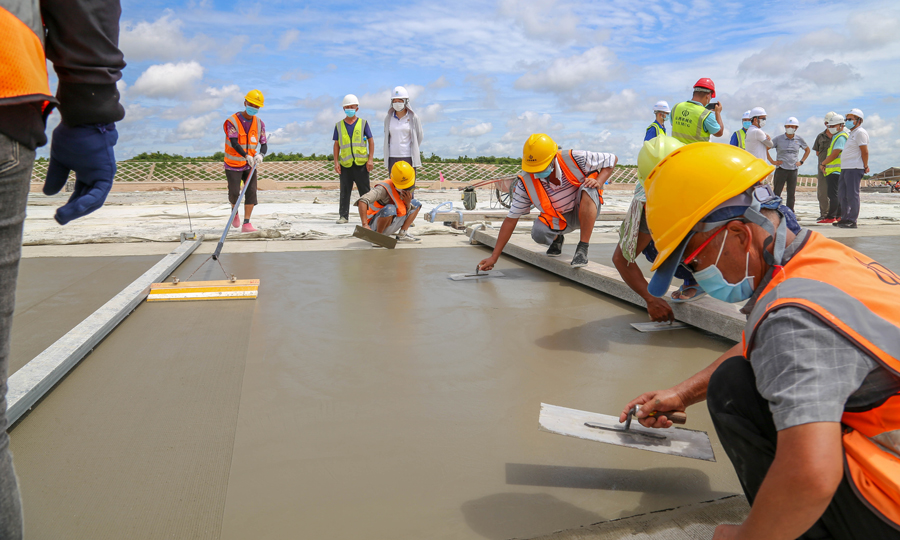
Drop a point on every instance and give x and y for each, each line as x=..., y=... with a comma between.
x=23, y=66
x=859, y=298
x=572, y=172
x=395, y=197
x=249, y=140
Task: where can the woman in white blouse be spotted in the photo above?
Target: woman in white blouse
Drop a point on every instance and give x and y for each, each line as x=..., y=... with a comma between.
x=402, y=131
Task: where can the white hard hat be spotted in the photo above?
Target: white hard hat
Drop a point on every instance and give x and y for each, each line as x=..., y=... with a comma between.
x=757, y=111
x=661, y=106
x=836, y=120
x=746, y=116
x=828, y=116
x=350, y=99
x=856, y=112
x=792, y=122
x=399, y=92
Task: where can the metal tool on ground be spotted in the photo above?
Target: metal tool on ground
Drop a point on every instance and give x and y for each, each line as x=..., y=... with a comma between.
x=477, y=275
x=658, y=326
x=607, y=429
x=374, y=237
x=229, y=289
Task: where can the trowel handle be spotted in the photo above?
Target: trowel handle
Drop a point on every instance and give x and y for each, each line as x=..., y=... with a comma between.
x=675, y=416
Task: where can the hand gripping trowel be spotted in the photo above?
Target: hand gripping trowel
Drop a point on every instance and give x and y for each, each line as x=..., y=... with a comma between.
x=607, y=429
x=477, y=275
x=229, y=289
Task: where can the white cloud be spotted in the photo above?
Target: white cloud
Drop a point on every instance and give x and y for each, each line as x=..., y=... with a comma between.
x=195, y=127
x=430, y=113
x=473, y=131
x=828, y=73
x=520, y=127
x=214, y=98
x=134, y=112
x=168, y=80
x=288, y=38
x=484, y=85
x=162, y=39
x=546, y=19
x=568, y=73
x=440, y=82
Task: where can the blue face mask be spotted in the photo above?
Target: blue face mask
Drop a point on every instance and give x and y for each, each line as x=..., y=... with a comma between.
x=251, y=111
x=545, y=173
x=714, y=283
x=350, y=112
x=747, y=124
x=851, y=124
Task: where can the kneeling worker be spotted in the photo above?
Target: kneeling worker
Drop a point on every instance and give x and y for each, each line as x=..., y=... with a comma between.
x=807, y=406
x=389, y=208
x=566, y=188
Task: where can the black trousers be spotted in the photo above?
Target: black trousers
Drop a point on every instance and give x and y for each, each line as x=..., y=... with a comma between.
x=834, y=203
x=782, y=177
x=354, y=174
x=235, y=178
x=745, y=428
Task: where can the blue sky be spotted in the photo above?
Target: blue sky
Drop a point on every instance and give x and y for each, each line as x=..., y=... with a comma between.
x=484, y=75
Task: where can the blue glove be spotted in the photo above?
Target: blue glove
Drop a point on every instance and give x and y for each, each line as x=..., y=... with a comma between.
x=88, y=150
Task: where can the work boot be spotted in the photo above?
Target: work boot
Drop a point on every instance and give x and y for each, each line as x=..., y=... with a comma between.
x=236, y=222
x=580, y=259
x=555, y=249
x=341, y=221
x=248, y=227
x=404, y=236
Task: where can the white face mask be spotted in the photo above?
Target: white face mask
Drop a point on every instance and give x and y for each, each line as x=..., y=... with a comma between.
x=762, y=122
x=398, y=106
x=790, y=131
x=834, y=129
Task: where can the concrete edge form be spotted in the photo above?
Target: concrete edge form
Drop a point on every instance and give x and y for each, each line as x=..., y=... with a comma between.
x=469, y=216
x=706, y=313
x=37, y=377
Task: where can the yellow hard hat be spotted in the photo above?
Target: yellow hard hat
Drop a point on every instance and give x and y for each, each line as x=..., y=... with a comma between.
x=690, y=183
x=538, y=152
x=403, y=175
x=255, y=98
x=653, y=151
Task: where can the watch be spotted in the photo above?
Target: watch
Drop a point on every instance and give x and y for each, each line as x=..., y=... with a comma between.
x=801, y=162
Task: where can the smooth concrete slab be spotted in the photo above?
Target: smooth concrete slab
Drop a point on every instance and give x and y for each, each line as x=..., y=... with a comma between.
x=884, y=249
x=363, y=395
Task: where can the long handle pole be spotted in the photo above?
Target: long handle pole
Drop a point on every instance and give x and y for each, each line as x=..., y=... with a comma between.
x=215, y=255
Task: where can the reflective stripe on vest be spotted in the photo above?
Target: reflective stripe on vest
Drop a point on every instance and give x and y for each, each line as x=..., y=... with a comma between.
x=687, y=122
x=858, y=297
x=742, y=138
x=572, y=172
x=23, y=66
x=353, y=150
x=248, y=140
x=376, y=206
x=835, y=166
x=659, y=130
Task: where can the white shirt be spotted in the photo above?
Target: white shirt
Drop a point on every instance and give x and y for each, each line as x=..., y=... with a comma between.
x=400, y=136
x=757, y=143
x=563, y=196
x=851, y=157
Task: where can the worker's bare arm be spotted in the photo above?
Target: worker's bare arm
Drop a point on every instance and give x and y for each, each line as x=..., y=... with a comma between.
x=864, y=154
x=678, y=398
x=658, y=309
x=800, y=484
x=363, y=207
x=506, y=231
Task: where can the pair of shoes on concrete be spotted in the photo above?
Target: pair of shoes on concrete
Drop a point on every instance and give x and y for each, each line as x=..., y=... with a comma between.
x=581, y=251
x=341, y=221
x=404, y=236
x=826, y=220
x=847, y=225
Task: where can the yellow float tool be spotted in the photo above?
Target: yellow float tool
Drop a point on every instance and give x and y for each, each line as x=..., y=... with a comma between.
x=229, y=289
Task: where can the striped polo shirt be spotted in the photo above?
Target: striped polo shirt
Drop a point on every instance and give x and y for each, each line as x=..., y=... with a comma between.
x=563, y=196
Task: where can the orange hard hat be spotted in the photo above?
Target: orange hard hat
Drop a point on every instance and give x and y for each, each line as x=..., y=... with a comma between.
x=707, y=83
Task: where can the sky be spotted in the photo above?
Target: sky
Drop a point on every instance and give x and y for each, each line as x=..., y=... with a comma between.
x=483, y=75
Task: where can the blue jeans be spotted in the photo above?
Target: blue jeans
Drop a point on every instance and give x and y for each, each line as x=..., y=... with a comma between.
x=390, y=210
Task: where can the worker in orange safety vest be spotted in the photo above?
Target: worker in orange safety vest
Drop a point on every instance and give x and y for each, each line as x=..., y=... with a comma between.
x=807, y=406
x=245, y=146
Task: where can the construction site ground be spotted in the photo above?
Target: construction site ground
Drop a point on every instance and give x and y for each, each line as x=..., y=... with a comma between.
x=363, y=394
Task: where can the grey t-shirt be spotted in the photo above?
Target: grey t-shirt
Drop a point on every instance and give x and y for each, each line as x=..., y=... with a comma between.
x=810, y=373
x=788, y=151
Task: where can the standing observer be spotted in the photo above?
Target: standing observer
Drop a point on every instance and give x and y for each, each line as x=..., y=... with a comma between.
x=758, y=141
x=854, y=164
x=820, y=147
x=739, y=137
x=244, y=134
x=402, y=132
x=787, y=159
x=80, y=38
x=692, y=121
x=353, y=151
x=831, y=167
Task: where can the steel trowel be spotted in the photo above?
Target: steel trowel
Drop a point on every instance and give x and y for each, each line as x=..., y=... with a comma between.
x=477, y=275
x=607, y=429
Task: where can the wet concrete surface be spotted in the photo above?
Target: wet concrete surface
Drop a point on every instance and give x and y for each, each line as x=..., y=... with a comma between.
x=363, y=395
x=884, y=249
x=53, y=295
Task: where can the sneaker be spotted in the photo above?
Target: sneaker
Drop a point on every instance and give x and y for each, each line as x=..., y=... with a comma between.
x=236, y=222
x=555, y=249
x=838, y=222
x=404, y=236
x=341, y=221
x=848, y=225
x=826, y=220
x=248, y=227
x=580, y=259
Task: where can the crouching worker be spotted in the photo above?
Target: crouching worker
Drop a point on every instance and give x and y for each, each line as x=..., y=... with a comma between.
x=807, y=406
x=389, y=208
x=566, y=187
x=634, y=238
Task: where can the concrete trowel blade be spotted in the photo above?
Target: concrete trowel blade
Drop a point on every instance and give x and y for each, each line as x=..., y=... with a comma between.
x=658, y=326
x=678, y=442
x=369, y=235
x=464, y=277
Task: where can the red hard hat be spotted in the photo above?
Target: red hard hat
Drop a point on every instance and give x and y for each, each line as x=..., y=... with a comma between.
x=706, y=82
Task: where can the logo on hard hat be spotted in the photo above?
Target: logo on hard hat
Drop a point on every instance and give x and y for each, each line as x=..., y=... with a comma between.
x=530, y=158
